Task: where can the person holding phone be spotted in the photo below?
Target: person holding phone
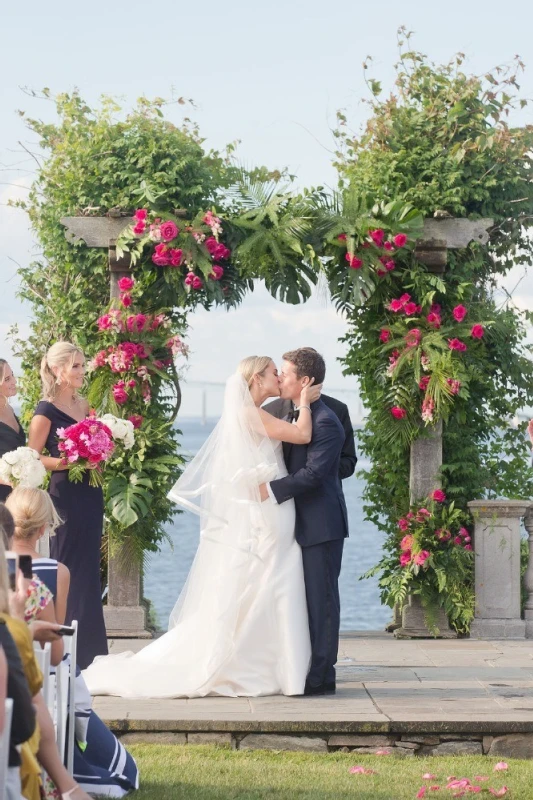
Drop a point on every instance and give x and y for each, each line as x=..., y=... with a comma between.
x=11, y=432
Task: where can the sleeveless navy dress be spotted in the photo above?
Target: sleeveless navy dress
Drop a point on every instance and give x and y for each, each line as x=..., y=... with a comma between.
x=77, y=544
x=10, y=439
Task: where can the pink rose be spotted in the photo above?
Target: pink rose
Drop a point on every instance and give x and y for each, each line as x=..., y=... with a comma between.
x=136, y=322
x=398, y=413
x=353, y=261
x=169, y=230
x=457, y=540
x=126, y=284
x=125, y=299
x=423, y=385
x=438, y=495
x=390, y=265
x=400, y=240
x=468, y=547
x=341, y=237
x=477, y=331
x=463, y=532
x=412, y=338
x=160, y=256
x=197, y=282
x=407, y=543
x=139, y=228
x=216, y=273
x=403, y=524
x=388, y=247
x=384, y=335
x=405, y=558
x=410, y=308
x=395, y=305
x=405, y=298
x=381, y=272
x=433, y=319
x=104, y=322
x=377, y=236
x=189, y=278
x=140, y=215
x=136, y=420
x=421, y=557
x=119, y=393
x=456, y=344
x=459, y=313
x=435, y=309
x=175, y=257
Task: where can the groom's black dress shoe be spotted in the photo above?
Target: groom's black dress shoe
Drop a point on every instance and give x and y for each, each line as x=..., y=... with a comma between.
x=330, y=688
x=313, y=691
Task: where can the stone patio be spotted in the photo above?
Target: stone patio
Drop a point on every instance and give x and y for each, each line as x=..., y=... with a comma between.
x=410, y=696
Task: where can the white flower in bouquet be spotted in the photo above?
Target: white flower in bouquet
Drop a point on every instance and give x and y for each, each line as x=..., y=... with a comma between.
x=121, y=429
x=22, y=467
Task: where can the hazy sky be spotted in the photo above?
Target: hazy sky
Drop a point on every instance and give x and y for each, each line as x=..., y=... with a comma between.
x=271, y=75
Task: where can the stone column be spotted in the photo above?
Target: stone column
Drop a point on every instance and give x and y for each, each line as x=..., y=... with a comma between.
x=528, y=577
x=497, y=568
x=124, y=614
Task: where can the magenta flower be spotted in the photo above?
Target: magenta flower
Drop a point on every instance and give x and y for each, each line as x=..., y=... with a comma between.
x=454, y=385
x=169, y=230
x=437, y=495
x=407, y=543
x=390, y=265
x=189, y=278
x=477, y=332
x=140, y=215
x=388, y=247
x=353, y=261
x=412, y=338
x=119, y=393
x=433, y=319
x=136, y=420
x=405, y=558
x=216, y=273
x=384, y=335
x=410, y=308
x=459, y=313
x=423, y=385
x=125, y=299
x=398, y=413
x=126, y=284
x=175, y=257
x=197, y=282
x=395, y=305
x=377, y=236
x=400, y=240
x=456, y=344
x=341, y=237
x=403, y=524
x=139, y=228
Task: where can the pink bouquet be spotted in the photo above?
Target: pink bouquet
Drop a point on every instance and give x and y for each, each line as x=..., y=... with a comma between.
x=86, y=445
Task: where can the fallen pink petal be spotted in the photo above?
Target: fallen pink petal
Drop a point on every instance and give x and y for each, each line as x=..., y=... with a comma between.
x=501, y=765
x=499, y=792
x=480, y=777
x=429, y=777
x=462, y=783
x=421, y=792
x=362, y=771
x=475, y=789
x=382, y=753
x=434, y=788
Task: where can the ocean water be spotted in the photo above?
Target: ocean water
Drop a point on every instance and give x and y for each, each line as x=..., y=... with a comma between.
x=166, y=571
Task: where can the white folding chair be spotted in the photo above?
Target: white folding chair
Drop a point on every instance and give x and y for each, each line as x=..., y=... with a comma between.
x=43, y=655
x=65, y=699
x=4, y=747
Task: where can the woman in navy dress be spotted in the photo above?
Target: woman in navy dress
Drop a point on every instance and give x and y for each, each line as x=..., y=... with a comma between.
x=81, y=506
x=11, y=433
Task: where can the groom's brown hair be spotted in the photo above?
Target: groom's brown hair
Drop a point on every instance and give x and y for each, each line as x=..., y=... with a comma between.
x=308, y=363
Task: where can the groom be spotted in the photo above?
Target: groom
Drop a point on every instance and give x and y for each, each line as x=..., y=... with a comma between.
x=321, y=518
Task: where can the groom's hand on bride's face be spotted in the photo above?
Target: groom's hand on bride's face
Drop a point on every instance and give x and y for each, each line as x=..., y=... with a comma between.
x=263, y=492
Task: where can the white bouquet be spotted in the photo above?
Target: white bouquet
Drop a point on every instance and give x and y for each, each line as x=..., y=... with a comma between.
x=22, y=467
x=122, y=430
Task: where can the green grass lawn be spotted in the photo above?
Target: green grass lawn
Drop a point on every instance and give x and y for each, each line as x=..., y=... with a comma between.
x=170, y=772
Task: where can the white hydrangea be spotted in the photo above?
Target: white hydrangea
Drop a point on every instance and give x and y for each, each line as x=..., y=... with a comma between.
x=22, y=467
x=121, y=429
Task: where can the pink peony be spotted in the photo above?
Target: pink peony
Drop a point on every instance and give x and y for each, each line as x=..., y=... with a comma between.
x=405, y=298
x=197, y=282
x=459, y=313
x=405, y=558
x=126, y=284
x=456, y=344
x=353, y=261
x=104, y=322
x=407, y=543
x=410, y=308
x=216, y=273
x=400, y=240
x=125, y=299
x=136, y=420
x=140, y=215
x=412, y=338
x=377, y=236
x=422, y=557
x=390, y=265
x=437, y=495
x=433, y=319
x=169, y=230
x=189, y=278
x=477, y=332
x=136, y=322
x=384, y=335
x=398, y=413
x=175, y=257
x=139, y=228
x=119, y=393
x=395, y=305
x=403, y=524
x=160, y=256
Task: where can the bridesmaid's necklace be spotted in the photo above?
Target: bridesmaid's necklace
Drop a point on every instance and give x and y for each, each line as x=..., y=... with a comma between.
x=72, y=405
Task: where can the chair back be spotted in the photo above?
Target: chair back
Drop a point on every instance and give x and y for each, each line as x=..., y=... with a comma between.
x=4, y=747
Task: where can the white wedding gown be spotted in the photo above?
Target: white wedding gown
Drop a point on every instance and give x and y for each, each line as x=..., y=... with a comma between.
x=241, y=623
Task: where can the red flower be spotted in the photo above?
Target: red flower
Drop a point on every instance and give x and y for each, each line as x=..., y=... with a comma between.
x=421, y=557
x=398, y=413
x=384, y=335
x=459, y=313
x=341, y=237
x=412, y=338
x=160, y=256
x=400, y=240
x=175, y=257
x=477, y=331
x=126, y=284
x=390, y=265
x=395, y=305
x=197, y=282
x=410, y=308
x=381, y=272
x=136, y=420
x=433, y=319
x=216, y=273
x=388, y=246
x=377, y=236
x=353, y=261
x=169, y=230
x=438, y=495
x=405, y=558
x=139, y=228
x=189, y=278
x=423, y=385
x=456, y=344
x=140, y=215
x=403, y=524
x=125, y=299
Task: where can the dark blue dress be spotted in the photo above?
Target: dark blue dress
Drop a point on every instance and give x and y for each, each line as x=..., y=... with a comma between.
x=77, y=544
x=102, y=766
x=10, y=439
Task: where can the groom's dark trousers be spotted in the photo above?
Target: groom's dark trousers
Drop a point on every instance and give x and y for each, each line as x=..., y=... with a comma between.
x=321, y=527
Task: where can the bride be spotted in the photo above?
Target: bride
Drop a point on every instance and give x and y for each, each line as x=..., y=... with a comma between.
x=240, y=625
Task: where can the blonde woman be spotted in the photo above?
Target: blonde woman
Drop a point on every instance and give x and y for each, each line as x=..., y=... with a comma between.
x=80, y=506
x=11, y=433
x=240, y=625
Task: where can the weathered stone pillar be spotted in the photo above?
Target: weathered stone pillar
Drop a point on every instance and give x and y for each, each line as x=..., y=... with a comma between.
x=528, y=577
x=426, y=461
x=497, y=568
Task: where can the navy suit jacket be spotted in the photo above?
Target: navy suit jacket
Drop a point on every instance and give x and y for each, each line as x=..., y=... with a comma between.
x=313, y=481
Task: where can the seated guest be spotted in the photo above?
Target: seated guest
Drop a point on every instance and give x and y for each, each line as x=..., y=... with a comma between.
x=101, y=764
x=40, y=750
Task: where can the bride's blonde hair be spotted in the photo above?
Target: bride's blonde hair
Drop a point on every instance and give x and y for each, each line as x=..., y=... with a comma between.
x=59, y=356
x=252, y=366
x=31, y=509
